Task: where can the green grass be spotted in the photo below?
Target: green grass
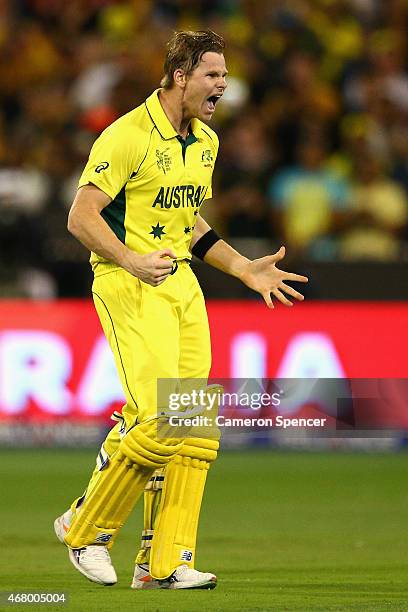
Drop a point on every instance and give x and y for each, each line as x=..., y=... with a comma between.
x=283, y=531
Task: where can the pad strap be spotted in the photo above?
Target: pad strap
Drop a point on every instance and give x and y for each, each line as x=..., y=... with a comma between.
x=156, y=482
x=147, y=537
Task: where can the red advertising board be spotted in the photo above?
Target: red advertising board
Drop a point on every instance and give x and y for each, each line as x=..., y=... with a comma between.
x=55, y=363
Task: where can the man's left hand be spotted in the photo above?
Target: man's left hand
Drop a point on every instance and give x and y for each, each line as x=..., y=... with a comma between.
x=263, y=276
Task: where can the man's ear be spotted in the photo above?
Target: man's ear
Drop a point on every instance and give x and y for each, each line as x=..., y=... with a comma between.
x=179, y=77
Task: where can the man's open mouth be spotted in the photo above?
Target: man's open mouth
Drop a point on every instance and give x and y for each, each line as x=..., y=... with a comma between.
x=212, y=101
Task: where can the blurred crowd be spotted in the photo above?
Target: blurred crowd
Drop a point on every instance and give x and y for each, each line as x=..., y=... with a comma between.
x=313, y=125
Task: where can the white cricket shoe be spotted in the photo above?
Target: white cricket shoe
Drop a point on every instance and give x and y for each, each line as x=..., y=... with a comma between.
x=92, y=561
x=183, y=578
x=62, y=524
x=143, y=580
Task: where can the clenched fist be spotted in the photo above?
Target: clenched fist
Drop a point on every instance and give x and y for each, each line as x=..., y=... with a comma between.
x=152, y=268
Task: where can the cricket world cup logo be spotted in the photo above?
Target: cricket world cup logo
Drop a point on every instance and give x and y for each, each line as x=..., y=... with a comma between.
x=163, y=160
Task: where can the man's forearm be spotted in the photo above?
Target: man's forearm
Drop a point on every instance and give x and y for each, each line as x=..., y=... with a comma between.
x=221, y=255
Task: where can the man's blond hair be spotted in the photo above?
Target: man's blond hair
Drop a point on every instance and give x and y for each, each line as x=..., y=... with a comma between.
x=185, y=50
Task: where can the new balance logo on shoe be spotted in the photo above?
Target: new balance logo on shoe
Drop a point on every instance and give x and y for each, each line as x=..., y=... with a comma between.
x=186, y=555
x=103, y=538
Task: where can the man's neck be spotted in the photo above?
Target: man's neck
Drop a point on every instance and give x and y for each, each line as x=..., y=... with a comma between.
x=172, y=103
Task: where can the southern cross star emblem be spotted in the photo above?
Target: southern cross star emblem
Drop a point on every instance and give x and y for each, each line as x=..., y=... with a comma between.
x=187, y=230
x=157, y=230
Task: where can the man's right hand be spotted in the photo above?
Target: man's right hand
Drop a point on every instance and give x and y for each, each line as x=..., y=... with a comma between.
x=152, y=268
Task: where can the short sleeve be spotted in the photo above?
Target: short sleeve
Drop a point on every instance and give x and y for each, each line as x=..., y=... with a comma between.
x=112, y=160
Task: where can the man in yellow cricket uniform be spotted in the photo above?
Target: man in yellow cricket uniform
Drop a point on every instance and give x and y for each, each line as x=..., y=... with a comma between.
x=138, y=211
x=157, y=183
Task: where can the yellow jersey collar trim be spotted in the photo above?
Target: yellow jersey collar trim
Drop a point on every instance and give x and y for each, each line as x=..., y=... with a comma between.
x=159, y=117
x=161, y=121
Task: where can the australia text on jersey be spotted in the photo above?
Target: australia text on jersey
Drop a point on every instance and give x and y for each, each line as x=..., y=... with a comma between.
x=180, y=196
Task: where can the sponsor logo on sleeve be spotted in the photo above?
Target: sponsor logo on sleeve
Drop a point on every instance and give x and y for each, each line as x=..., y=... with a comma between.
x=101, y=167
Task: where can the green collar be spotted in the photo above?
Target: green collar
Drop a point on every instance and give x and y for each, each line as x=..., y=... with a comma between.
x=184, y=143
x=188, y=141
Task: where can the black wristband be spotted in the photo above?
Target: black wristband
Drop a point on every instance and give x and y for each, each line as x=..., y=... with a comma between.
x=205, y=243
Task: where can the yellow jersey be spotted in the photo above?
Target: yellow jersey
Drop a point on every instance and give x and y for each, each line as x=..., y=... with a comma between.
x=156, y=180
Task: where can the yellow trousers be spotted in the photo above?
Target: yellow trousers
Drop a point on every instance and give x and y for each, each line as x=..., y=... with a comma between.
x=154, y=332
